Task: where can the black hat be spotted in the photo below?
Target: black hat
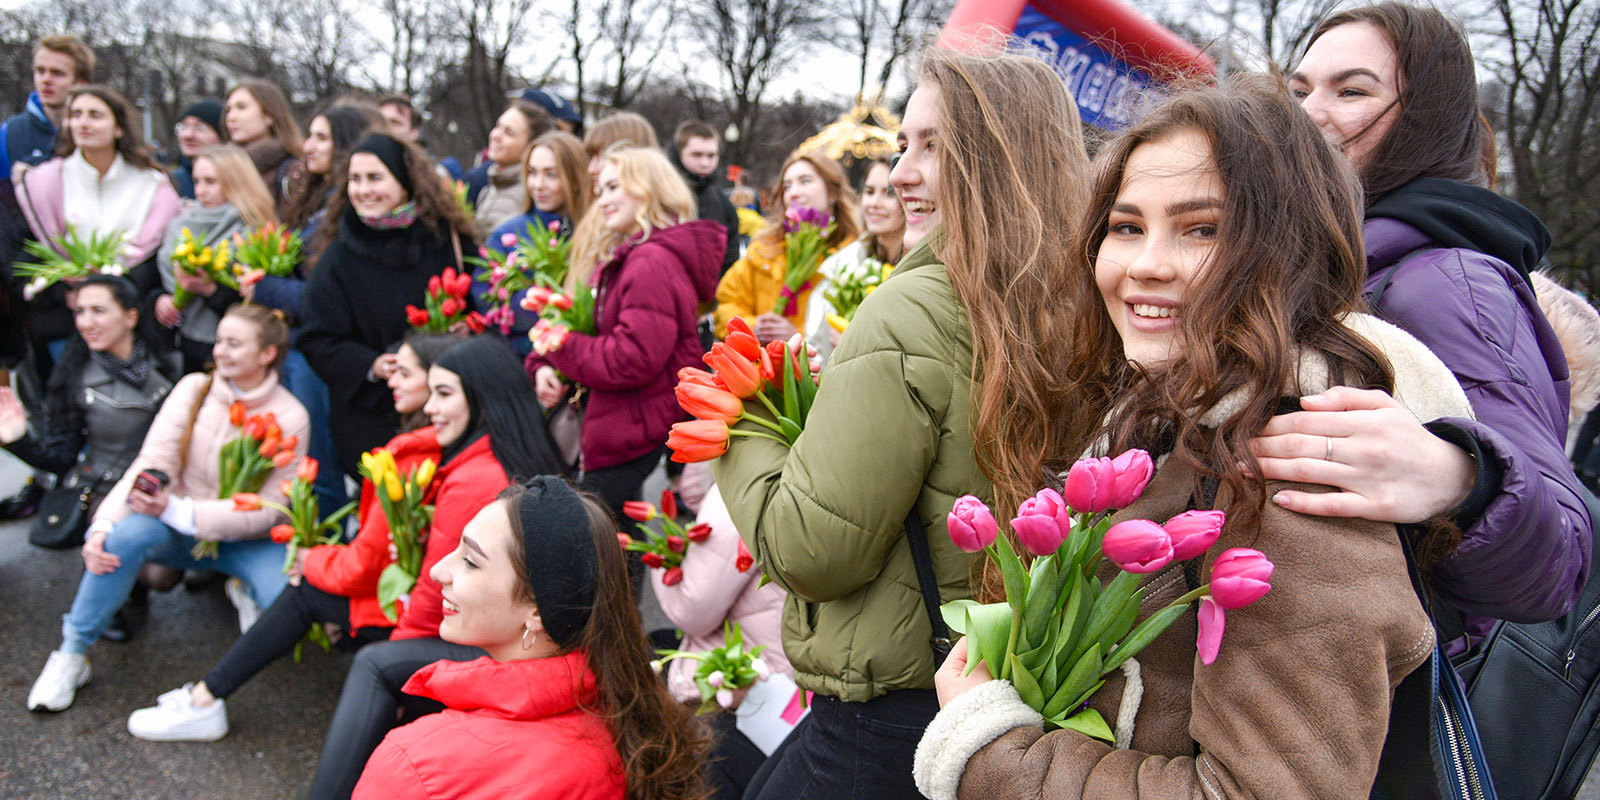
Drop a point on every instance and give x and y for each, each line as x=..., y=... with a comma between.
x=207, y=111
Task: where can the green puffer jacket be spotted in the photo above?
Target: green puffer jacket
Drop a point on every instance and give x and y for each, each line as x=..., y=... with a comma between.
x=890, y=430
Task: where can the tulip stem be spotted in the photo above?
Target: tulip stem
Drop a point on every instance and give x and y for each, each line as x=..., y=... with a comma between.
x=759, y=435
x=1192, y=596
x=762, y=396
x=761, y=422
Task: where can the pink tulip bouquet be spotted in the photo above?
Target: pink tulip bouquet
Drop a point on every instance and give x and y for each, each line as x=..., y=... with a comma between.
x=1060, y=631
x=536, y=258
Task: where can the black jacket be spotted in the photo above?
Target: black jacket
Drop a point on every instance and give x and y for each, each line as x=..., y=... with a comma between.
x=713, y=205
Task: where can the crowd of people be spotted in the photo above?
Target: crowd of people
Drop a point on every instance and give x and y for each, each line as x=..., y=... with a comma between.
x=1298, y=292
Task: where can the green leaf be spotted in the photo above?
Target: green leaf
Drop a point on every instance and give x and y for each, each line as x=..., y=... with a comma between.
x=791, y=429
x=1087, y=693
x=1083, y=674
x=955, y=614
x=1089, y=723
x=1026, y=685
x=393, y=582
x=1036, y=657
x=791, y=393
x=1044, y=590
x=1142, y=636
x=1016, y=576
x=1108, y=606
x=988, y=630
x=1122, y=621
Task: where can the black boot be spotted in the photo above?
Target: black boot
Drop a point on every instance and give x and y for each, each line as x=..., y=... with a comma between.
x=23, y=503
x=130, y=618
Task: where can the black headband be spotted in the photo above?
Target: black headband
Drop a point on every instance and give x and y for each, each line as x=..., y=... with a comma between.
x=558, y=550
x=391, y=153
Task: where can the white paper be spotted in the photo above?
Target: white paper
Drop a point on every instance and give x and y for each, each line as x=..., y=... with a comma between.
x=761, y=716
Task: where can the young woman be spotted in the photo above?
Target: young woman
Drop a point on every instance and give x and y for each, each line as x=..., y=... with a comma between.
x=651, y=270
x=883, y=242
x=619, y=126
x=503, y=192
x=492, y=434
x=103, y=180
x=258, y=118
x=1392, y=86
x=148, y=519
x=230, y=199
x=328, y=584
x=537, y=583
x=558, y=193
x=924, y=384
x=390, y=227
x=329, y=137
x=755, y=283
x=1211, y=286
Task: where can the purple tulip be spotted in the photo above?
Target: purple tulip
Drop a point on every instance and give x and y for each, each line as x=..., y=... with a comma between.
x=1212, y=623
x=1239, y=577
x=1193, y=532
x=1043, y=522
x=1138, y=545
x=971, y=525
x=1130, y=472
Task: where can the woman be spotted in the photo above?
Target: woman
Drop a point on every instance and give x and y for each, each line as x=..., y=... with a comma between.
x=915, y=395
x=230, y=199
x=329, y=137
x=652, y=268
x=102, y=181
x=558, y=193
x=258, y=119
x=754, y=284
x=334, y=584
x=619, y=126
x=492, y=434
x=883, y=243
x=503, y=192
x=1393, y=87
x=1212, y=285
x=146, y=518
x=390, y=228
x=565, y=683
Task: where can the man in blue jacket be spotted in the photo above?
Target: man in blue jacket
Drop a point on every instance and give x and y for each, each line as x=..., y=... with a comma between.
x=61, y=62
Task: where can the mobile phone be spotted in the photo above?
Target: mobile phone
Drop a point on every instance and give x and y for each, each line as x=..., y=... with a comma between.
x=151, y=481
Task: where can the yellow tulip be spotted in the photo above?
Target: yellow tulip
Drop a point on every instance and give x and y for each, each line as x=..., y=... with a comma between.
x=425, y=473
x=888, y=269
x=837, y=322
x=868, y=290
x=392, y=484
x=370, y=464
x=386, y=460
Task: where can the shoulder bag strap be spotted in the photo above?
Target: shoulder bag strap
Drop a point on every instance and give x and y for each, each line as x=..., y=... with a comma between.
x=922, y=557
x=455, y=244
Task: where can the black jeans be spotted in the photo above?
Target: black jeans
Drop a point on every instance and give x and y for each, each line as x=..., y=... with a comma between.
x=850, y=751
x=617, y=485
x=277, y=630
x=733, y=760
x=369, y=703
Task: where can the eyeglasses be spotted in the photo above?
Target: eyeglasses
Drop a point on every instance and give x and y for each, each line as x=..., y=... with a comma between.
x=189, y=127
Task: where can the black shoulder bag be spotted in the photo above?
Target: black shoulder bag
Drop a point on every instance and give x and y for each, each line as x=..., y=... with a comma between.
x=922, y=557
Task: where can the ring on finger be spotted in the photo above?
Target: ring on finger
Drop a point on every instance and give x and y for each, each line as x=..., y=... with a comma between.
x=1328, y=456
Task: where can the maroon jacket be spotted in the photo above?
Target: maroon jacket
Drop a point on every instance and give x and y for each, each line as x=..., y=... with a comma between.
x=648, y=298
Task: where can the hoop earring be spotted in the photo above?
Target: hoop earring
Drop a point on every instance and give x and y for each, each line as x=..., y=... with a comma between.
x=527, y=644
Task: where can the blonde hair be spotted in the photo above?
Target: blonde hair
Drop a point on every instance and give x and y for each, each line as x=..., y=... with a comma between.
x=647, y=175
x=241, y=183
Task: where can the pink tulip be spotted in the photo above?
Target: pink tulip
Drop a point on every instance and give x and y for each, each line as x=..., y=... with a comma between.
x=1131, y=472
x=1043, y=522
x=1089, y=484
x=1138, y=545
x=971, y=525
x=1211, y=624
x=508, y=240
x=1239, y=577
x=1194, y=531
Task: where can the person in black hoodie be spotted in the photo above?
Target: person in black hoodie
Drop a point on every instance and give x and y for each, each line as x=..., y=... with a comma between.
x=390, y=227
x=696, y=151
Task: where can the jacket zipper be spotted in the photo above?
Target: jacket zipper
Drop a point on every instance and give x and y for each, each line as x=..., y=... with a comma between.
x=1470, y=784
x=1572, y=652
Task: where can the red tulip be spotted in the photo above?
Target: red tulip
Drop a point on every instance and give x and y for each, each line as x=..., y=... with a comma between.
x=669, y=504
x=775, y=351
x=699, y=440
x=236, y=414
x=450, y=307
x=476, y=322
x=709, y=402
x=449, y=276
x=741, y=375
x=433, y=285
x=1193, y=532
x=970, y=524
x=672, y=577
x=699, y=532
x=561, y=301
x=463, y=285
x=246, y=501
x=1138, y=545
x=269, y=447
x=623, y=540
x=255, y=428
x=416, y=317
x=307, y=470
x=1239, y=577
x=639, y=510
x=676, y=543
x=282, y=458
x=1043, y=522
x=739, y=325
x=653, y=560
x=743, y=561
x=282, y=534
x=286, y=487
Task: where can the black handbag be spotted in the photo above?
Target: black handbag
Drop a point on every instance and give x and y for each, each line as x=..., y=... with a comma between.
x=922, y=558
x=64, y=510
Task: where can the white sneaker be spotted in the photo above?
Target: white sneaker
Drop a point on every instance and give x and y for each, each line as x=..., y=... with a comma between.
x=241, y=599
x=60, y=680
x=175, y=718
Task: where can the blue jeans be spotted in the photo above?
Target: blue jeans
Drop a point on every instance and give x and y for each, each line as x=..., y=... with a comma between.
x=312, y=393
x=137, y=539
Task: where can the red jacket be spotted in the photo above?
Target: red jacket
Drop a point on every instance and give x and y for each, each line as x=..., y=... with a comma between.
x=352, y=570
x=510, y=729
x=649, y=299
x=465, y=484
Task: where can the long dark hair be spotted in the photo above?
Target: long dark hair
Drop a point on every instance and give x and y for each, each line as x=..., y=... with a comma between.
x=428, y=347
x=64, y=377
x=501, y=398
x=1288, y=265
x=1438, y=128
x=130, y=145
x=655, y=735
x=348, y=122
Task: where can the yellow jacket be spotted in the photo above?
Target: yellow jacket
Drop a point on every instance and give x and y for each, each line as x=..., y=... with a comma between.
x=753, y=285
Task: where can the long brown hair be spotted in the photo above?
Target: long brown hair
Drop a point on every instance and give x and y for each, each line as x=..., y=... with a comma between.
x=1438, y=125
x=271, y=331
x=655, y=735
x=436, y=206
x=877, y=246
x=348, y=122
x=572, y=166
x=1012, y=169
x=130, y=145
x=842, y=202
x=1288, y=264
x=275, y=107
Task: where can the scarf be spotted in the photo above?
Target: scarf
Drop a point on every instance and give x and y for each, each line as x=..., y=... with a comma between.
x=401, y=216
x=134, y=372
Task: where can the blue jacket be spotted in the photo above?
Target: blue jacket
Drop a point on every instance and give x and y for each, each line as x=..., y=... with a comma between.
x=29, y=137
x=1524, y=553
x=524, y=320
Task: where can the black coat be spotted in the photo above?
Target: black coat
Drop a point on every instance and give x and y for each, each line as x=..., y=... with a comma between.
x=712, y=204
x=354, y=310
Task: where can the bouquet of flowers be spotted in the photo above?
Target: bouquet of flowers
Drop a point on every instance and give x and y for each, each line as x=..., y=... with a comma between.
x=71, y=256
x=530, y=260
x=403, y=499
x=741, y=370
x=723, y=670
x=1060, y=631
x=304, y=528
x=458, y=191
x=559, y=315
x=194, y=258
x=446, y=305
x=245, y=461
x=850, y=287
x=271, y=249
x=662, y=550
x=805, y=238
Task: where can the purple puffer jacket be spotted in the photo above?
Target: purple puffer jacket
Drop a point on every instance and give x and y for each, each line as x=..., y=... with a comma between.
x=1526, y=557
x=648, y=300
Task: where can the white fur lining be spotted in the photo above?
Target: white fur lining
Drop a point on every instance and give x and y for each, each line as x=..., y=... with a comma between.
x=961, y=729
x=1132, y=696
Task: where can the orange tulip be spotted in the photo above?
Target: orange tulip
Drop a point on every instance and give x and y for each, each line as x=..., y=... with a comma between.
x=742, y=377
x=775, y=350
x=745, y=344
x=286, y=487
x=283, y=458
x=290, y=443
x=236, y=414
x=247, y=501
x=282, y=534
x=273, y=431
x=255, y=428
x=739, y=325
x=308, y=469
x=269, y=447
x=699, y=440
x=700, y=377
x=709, y=402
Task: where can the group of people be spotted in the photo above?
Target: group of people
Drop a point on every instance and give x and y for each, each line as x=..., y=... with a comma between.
x=1297, y=292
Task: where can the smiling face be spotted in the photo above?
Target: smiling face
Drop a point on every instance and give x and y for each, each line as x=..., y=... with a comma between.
x=207, y=187
x=509, y=138
x=916, y=175
x=1349, y=82
x=104, y=325
x=244, y=119
x=238, y=352
x=1160, y=235
x=544, y=180
x=54, y=75
x=447, y=406
x=803, y=187
x=92, y=124
x=194, y=136
x=879, y=204
x=373, y=188
x=408, y=382
x=620, y=208
x=318, y=146
x=478, y=583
